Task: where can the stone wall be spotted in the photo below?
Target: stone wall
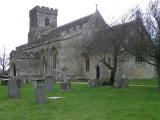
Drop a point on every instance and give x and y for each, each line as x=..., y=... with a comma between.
x=70, y=54
x=41, y=19
x=59, y=48
x=39, y=14
x=128, y=69
x=138, y=70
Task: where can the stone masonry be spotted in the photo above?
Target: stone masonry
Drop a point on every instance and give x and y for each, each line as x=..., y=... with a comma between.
x=50, y=49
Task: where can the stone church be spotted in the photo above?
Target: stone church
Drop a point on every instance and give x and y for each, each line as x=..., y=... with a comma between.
x=53, y=51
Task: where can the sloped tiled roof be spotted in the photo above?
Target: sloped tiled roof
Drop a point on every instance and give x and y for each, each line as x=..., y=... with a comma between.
x=102, y=41
x=75, y=23
x=69, y=25
x=66, y=26
x=51, y=31
x=128, y=24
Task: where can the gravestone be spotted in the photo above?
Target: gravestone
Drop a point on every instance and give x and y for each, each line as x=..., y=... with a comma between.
x=125, y=82
x=19, y=82
x=48, y=84
x=92, y=83
x=40, y=94
x=65, y=85
x=121, y=83
x=13, y=88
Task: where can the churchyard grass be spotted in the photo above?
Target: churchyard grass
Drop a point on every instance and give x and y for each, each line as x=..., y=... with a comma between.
x=84, y=103
x=146, y=82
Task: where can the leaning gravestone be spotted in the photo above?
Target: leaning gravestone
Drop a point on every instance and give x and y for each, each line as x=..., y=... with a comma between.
x=40, y=94
x=48, y=84
x=13, y=88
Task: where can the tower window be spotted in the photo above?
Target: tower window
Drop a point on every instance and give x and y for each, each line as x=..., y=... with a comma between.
x=46, y=21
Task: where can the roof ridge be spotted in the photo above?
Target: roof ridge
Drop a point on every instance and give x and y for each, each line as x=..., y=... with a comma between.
x=72, y=23
x=76, y=20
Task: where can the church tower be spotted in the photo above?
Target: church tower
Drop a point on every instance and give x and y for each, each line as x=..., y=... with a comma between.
x=41, y=18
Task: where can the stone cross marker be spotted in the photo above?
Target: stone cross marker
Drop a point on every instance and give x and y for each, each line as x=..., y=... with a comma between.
x=13, y=88
x=40, y=94
x=48, y=84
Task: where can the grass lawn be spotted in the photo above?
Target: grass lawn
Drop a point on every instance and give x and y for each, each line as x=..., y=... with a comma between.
x=84, y=103
x=147, y=82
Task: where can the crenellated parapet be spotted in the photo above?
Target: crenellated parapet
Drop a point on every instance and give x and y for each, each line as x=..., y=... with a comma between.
x=41, y=19
x=45, y=10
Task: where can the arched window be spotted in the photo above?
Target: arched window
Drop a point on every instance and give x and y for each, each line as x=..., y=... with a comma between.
x=46, y=21
x=43, y=57
x=109, y=60
x=14, y=69
x=54, y=53
x=87, y=64
x=54, y=60
x=97, y=72
x=43, y=62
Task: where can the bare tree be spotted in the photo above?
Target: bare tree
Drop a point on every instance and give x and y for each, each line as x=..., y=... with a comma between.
x=107, y=45
x=4, y=61
x=146, y=42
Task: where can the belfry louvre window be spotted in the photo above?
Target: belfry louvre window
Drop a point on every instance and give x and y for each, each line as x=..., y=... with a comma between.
x=46, y=21
x=87, y=64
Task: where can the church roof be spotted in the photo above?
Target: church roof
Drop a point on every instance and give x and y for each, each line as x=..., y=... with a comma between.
x=75, y=22
x=54, y=32
x=69, y=25
x=105, y=39
x=127, y=24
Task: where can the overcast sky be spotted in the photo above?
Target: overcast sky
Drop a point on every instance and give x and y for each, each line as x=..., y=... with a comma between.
x=14, y=20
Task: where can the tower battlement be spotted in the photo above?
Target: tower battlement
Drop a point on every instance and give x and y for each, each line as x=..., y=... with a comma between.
x=41, y=18
x=44, y=10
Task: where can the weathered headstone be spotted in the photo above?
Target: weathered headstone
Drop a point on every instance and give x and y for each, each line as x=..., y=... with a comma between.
x=125, y=82
x=40, y=94
x=13, y=88
x=48, y=84
x=65, y=85
x=19, y=82
x=121, y=83
x=92, y=83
